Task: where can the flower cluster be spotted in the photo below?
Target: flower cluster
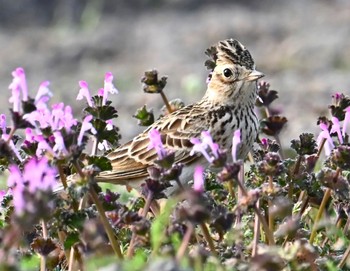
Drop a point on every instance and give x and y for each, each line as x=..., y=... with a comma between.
x=336, y=129
x=263, y=211
x=31, y=191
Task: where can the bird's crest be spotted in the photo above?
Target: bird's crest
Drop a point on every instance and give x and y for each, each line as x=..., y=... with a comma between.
x=229, y=50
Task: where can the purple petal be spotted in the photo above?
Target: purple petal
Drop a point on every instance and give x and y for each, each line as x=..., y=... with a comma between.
x=198, y=179
x=346, y=120
x=236, y=140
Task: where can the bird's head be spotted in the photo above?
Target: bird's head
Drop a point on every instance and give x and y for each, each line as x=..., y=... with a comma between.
x=234, y=71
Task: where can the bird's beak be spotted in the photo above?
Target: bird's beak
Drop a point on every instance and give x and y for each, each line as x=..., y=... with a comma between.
x=254, y=75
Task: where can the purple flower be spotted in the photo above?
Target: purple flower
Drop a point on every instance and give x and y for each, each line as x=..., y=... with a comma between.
x=156, y=143
x=19, y=83
x=204, y=146
x=57, y=116
x=62, y=117
x=108, y=87
x=42, y=97
x=199, y=147
x=3, y=123
x=198, y=180
x=329, y=145
x=3, y=193
x=84, y=93
x=12, y=146
x=43, y=94
x=346, y=120
x=37, y=175
x=59, y=148
x=109, y=125
x=15, y=182
x=86, y=126
x=208, y=140
x=100, y=92
x=236, y=140
x=265, y=142
x=30, y=137
x=68, y=118
x=15, y=99
x=338, y=96
x=103, y=145
x=336, y=129
x=43, y=146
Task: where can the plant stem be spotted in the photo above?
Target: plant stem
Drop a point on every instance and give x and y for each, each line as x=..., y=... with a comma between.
x=62, y=238
x=12, y=132
x=62, y=176
x=320, y=149
x=337, y=225
x=147, y=204
x=240, y=193
x=114, y=242
x=325, y=199
x=267, y=111
x=271, y=218
x=43, y=257
x=256, y=232
x=144, y=213
x=268, y=114
x=295, y=172
x=251, y=158
x=279, y=143
x=94, y=146
x=71, y=259
x=185, y=241
x=230, y=189
x=208, y=238
x=42, y=263
x=44, y=228
x=166, y=102
x=265, y=226
x=345, y=257
x=346, y=227
x=304, y=205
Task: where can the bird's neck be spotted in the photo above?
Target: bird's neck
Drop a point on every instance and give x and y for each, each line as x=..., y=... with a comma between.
x=241, y=93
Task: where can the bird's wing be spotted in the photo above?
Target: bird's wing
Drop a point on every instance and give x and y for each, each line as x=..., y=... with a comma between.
x=131, y=160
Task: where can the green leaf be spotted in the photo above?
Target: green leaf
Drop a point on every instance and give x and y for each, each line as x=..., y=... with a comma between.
x=145, y=117
x=71, y=239
x=101, y=162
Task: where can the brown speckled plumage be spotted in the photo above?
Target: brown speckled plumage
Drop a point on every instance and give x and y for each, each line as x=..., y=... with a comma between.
x=227, y=105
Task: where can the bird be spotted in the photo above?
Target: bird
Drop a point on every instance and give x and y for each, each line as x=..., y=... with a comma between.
x=227, y=105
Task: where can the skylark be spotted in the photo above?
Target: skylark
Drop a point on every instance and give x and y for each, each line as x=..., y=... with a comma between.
x=227, y=105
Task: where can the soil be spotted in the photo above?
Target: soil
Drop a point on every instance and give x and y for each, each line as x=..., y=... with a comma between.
x=303, y=47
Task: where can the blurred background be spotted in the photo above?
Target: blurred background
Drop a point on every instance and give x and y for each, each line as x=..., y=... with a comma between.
x=303, y=47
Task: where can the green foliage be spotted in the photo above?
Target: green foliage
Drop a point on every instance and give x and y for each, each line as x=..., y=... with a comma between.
x=286, y=213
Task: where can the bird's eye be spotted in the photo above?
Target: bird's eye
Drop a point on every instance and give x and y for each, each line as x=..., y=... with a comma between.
x=227, y=73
